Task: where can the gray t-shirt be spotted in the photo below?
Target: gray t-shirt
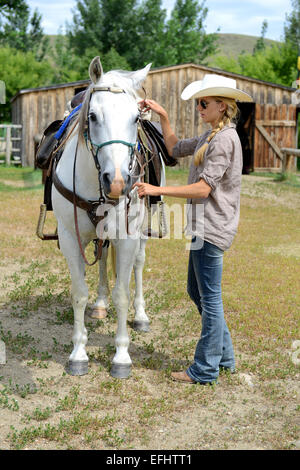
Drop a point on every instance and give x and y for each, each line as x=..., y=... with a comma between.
x=221, y=169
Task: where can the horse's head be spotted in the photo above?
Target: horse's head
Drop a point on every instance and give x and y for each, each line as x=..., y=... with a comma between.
x=112, y=112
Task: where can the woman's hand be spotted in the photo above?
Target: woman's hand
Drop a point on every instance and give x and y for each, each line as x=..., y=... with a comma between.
x=168, y=134
x=145, y=189
x=147, y=105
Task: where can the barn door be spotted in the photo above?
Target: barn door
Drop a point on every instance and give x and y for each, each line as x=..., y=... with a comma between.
x=275, y=128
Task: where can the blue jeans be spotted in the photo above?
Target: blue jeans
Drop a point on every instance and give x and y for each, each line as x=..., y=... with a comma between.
x=214, y=348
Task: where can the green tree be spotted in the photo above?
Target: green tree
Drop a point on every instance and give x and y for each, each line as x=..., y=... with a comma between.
x=186, y=40
x=275, y=64
x=260, y=43
x=104, y=26
x=86, y=29
x=7, y=4
x=67, y=66
x=21, y=70
x=112, y=60
x=149, y=35
x=138, y=31
x=119, y=26
x=292, y=26
x=22, y=31
x=71, y=67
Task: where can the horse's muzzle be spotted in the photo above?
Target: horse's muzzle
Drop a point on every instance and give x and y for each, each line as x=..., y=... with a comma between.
x=117, y=185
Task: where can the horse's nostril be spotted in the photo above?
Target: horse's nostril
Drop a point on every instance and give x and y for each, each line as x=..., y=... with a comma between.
x=107, y=180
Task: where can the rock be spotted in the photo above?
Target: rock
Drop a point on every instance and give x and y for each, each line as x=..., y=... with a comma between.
x=296, y=444
x=247, y=378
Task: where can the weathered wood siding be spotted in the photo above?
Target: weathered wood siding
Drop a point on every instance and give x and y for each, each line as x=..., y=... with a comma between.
x=36, y=109
x=275, y=128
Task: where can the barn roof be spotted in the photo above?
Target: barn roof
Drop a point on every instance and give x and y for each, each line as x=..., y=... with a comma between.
x=81, y=83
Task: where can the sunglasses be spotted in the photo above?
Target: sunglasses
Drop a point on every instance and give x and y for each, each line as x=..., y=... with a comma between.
x=202, y=103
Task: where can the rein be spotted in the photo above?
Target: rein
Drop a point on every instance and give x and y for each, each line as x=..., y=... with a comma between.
x=98, y=243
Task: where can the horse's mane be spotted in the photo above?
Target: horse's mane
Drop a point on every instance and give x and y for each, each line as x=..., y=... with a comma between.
x=115, y=78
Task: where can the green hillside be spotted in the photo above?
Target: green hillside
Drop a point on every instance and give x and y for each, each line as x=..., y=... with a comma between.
x=232, y=45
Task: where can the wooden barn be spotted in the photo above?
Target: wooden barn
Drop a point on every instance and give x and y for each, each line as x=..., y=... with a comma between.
x=265, y=126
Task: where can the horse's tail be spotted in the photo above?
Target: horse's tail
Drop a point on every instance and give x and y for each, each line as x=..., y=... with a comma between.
x=113, y=260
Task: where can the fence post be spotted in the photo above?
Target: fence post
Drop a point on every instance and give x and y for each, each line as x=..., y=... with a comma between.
x=8, y=145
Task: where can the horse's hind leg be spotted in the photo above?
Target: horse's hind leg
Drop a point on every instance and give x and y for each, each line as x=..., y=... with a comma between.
x=141, y=321
x=99, y=308
x=78, y=360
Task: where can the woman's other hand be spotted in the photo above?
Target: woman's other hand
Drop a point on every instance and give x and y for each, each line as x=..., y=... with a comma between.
x=145, y=189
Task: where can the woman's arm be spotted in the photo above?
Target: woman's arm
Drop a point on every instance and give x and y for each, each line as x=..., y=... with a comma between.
x=170, y=138
x=194, y=191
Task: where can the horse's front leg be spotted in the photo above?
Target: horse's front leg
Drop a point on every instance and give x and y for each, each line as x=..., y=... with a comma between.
x=125, y=253
x=100, y=306
x=141, y=321
x=78, y=360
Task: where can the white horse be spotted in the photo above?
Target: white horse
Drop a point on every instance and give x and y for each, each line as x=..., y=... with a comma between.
x=103, y=147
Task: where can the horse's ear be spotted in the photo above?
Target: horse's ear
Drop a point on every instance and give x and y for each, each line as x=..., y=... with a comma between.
x=139, y=76
x=95, y=69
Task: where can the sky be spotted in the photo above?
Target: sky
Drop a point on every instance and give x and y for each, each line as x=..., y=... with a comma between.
x=230, y=16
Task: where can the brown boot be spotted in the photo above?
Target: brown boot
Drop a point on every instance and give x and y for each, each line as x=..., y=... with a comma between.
x=182, y=377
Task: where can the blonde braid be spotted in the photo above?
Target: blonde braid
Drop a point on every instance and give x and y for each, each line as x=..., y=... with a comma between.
x=229, y=114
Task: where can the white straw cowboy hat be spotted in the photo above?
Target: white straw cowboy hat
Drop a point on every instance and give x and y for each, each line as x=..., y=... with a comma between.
x=215, y=85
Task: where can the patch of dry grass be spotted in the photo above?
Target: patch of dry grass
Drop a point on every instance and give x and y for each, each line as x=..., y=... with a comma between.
x=43, y=408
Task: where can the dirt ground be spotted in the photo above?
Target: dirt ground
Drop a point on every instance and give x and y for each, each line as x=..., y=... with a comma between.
x=42, y=407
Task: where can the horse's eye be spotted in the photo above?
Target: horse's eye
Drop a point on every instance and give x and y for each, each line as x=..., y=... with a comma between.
x=93, y=117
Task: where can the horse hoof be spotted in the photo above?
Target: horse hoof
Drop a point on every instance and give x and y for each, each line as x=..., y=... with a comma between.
x=77, y=367
x=120, y=371
x=98, y=313
x=141, y=326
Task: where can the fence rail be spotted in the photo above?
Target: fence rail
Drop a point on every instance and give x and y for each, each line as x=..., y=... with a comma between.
x=289, y=154
x=12, y=134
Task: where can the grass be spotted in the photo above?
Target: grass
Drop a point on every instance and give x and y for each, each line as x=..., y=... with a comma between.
x=46, y=408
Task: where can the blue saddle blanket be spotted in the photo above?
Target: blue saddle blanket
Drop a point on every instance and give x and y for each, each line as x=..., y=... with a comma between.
x=64, y=125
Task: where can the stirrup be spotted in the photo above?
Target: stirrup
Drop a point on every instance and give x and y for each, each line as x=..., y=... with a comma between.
x=41, y=223
x=162, y=223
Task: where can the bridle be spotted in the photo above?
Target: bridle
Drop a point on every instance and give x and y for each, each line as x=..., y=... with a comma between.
x=92, y=145
x=94, y=148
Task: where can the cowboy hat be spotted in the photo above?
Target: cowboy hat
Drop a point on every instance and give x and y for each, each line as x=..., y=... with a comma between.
x=215, y=85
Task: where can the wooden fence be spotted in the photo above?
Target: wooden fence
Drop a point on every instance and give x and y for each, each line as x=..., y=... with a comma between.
x=10, y=143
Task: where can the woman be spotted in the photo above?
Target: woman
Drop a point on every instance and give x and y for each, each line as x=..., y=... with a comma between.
x=214, y=182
